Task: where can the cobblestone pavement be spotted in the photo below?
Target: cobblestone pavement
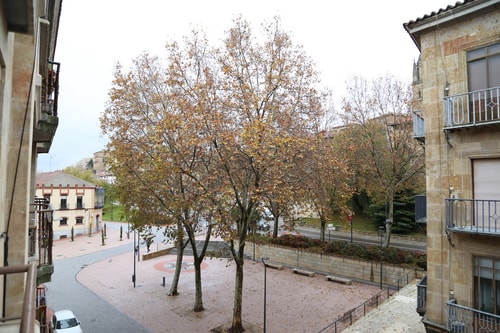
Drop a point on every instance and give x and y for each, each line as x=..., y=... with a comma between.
x=294, y=303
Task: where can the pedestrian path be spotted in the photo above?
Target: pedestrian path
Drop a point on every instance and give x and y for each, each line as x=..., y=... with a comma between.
x=397, y=315
x=291, y=300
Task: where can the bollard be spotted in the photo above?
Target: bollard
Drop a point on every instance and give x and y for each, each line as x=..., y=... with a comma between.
x=163, y=284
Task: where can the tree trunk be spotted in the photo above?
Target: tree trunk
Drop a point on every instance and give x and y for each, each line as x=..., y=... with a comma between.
x=322, y=228
x=198, y=260
x=237, y=325
x=389, y=221
x=179, y=245
x=198, y=299
x=276, y=226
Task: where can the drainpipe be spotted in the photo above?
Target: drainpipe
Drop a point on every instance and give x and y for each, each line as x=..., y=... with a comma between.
x=5, y=263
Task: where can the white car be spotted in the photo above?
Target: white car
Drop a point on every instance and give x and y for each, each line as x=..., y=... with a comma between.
x=64, y=321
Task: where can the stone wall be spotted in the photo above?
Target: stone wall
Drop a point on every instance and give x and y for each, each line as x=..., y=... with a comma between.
x=368, y=271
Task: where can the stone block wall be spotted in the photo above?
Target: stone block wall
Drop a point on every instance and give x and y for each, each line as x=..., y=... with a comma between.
x=362, y=270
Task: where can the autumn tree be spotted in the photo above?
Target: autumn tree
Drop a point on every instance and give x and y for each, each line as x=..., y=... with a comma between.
x=257, y=100
x=378, y=124
x=217, y=135
x=159, y=163
x=268, y=99
x=326, y=176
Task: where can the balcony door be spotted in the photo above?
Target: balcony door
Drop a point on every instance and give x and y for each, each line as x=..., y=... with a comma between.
x=487, y=194
x=483, y=69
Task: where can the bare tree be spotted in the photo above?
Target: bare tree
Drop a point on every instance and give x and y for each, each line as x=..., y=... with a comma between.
x=378, y=121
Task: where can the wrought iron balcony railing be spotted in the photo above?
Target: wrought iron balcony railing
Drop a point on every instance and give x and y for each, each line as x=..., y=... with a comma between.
x=418, y=125
x=476, y=108
x=462, y=319
x=41, y=239
x=422, y=296
x=473, y=216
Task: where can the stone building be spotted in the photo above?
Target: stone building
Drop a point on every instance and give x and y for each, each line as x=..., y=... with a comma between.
x=458, y=87
x=29, y=82
x=77, y=204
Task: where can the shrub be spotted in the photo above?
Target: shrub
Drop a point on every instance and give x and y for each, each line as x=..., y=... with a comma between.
x=297, y=242
x=360, y=251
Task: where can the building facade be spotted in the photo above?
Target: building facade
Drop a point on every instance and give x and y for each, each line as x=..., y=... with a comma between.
x=77, y=204
x=29, y=79
x=458, y=90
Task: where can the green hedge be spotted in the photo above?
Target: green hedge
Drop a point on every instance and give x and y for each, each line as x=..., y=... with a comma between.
x=390, y=255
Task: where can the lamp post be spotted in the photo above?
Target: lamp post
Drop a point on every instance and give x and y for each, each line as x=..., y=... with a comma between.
x=349, y=217
x=265, y=283
x=135, y=254
x=381, y=232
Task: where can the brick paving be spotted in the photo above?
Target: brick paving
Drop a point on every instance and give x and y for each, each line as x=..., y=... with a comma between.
x=294, y=303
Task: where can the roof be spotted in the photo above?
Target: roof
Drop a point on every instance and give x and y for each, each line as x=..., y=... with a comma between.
x=59, y=178
x=440, y=11
x=444, y=15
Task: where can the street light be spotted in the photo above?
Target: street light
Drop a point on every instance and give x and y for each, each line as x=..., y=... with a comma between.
x=136, y=248
x=381, y=232
x=349, y=217
x=265, y=283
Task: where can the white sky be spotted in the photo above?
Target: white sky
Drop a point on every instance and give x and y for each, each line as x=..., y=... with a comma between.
x=344, y=38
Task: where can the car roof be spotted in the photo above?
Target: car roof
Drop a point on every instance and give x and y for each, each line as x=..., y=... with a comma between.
x=64, y=314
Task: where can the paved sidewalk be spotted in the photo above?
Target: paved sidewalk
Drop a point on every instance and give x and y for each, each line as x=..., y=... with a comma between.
x=294, y=303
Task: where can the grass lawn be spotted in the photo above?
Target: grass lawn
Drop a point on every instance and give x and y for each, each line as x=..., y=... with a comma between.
x=360, y=223
x=114, y=213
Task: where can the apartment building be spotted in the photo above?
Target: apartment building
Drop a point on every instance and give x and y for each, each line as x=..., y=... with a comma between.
x=77, y=204
x=29, y=86
x=458, y=91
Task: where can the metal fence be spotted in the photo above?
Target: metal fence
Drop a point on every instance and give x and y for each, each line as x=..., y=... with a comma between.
x=351, y=316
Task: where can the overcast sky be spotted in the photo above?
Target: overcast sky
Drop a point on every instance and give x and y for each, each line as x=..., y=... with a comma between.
x=344, y=38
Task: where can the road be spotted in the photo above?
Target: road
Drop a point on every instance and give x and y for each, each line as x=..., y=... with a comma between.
x=95, y=314
x=366, y=239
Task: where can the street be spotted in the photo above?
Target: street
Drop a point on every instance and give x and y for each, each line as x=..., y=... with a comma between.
x=366, y=239
x=95, y=314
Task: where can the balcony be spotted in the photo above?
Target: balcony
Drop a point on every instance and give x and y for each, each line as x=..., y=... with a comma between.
x=41, y=237
x=23, y=322
x=473, y=109
x=473, y=216
x=418, y=125
x=422, y=296
x=462, y=319
x=46, y=127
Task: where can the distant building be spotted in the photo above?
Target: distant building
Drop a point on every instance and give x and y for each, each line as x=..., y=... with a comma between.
x=100, y=169
x=76, y=203
x=458, y=91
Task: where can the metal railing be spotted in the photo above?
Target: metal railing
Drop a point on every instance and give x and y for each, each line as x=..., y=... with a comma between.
x=473, y=216
x=422, y=296
x=351, y=316
x=418, y=124
x=462, y=319
x=474, y=108
x=43, y=234
x=27, y=317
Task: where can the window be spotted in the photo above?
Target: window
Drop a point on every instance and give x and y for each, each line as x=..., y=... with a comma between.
x=64, y=202
x=63, y=221
x=483, y=67
x=47, y=197
x=487, y=284
x=79, y=220
x=79, y=202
